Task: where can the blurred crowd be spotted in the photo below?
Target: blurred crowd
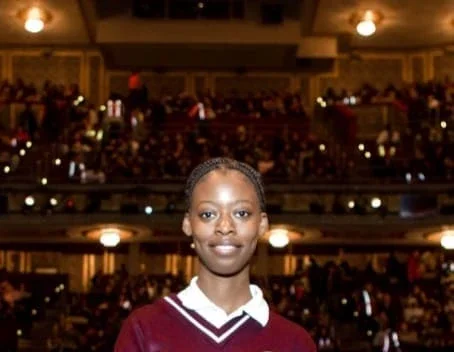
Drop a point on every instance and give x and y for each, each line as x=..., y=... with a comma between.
x=17, y=312
x=209, y=105
x=62, y=137
x=398, y=305
x=424, y=101
x=143, y=140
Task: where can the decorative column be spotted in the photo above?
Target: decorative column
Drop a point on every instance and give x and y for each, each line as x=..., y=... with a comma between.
x=134, y=258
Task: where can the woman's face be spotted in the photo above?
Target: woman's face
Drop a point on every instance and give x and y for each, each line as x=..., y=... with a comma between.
x=225, y=221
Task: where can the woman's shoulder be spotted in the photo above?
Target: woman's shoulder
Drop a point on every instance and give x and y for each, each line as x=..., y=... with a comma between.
x=142, y=326
x=291, y=331
x=279, y=322
x=149, y=312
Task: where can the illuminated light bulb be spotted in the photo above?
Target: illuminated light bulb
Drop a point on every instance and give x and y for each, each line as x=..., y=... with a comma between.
x=34, y=22
x=447, y=240
x=110, y=237
x=279, y=238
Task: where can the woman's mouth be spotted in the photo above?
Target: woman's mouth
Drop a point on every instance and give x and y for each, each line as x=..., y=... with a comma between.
x=225, y=249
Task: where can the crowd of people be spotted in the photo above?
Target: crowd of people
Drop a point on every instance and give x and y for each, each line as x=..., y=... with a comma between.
x=402, y=303
x=423, y=101
x=164, y=139
x=73, y=141
x=405, y=305
x=18, y=311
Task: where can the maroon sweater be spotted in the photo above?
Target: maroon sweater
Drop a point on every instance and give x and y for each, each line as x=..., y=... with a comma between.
x=167, y=326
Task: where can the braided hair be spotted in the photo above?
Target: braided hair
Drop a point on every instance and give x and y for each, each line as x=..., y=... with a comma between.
x=225, y=164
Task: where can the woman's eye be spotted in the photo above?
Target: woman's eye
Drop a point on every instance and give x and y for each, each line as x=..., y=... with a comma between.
x=243, y=213
x=206, y=215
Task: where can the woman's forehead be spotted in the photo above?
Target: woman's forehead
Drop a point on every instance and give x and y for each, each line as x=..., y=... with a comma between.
x=223, y=182
x=222, y=176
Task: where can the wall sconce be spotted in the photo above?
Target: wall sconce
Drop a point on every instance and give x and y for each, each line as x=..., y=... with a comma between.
x=366, y=22
x=34, y=18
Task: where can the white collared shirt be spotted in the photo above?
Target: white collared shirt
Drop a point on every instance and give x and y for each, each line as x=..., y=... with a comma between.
x=193, y=298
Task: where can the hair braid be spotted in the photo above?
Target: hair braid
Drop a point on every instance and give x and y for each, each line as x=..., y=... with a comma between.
x=225, y=164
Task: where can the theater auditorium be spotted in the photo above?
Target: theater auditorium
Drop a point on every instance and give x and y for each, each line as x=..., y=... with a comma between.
x=345, y=108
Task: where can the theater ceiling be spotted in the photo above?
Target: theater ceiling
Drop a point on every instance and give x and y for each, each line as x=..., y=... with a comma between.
x=406, y=24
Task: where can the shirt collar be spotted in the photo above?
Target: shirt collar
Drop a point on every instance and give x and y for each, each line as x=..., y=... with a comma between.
x=193, y=298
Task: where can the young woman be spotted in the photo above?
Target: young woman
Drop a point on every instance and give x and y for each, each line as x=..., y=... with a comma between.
x=220, y=310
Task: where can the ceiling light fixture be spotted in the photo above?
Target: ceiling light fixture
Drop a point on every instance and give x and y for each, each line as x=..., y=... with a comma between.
x=447, y=239
x=366, y=22
x=34, y=18
x=278, y=238
x=110, y=237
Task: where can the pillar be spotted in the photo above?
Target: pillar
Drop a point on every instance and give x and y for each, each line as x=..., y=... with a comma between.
x=134, y=258
x=262, y=259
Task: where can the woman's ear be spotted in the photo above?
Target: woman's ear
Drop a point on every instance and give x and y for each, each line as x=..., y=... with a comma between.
x=186, y=225
x=264, y=224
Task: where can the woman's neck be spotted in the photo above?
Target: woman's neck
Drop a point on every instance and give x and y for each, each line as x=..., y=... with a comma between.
x=228, y=293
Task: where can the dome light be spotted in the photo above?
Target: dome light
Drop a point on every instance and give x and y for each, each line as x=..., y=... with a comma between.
x=366, y=28
x=34, y=19
x=110, y=237
x=278, y=238
x=447, y=239
x=34, y=22
x=366, y=22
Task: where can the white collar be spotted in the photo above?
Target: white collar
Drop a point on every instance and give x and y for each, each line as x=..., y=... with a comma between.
x=193, y=298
